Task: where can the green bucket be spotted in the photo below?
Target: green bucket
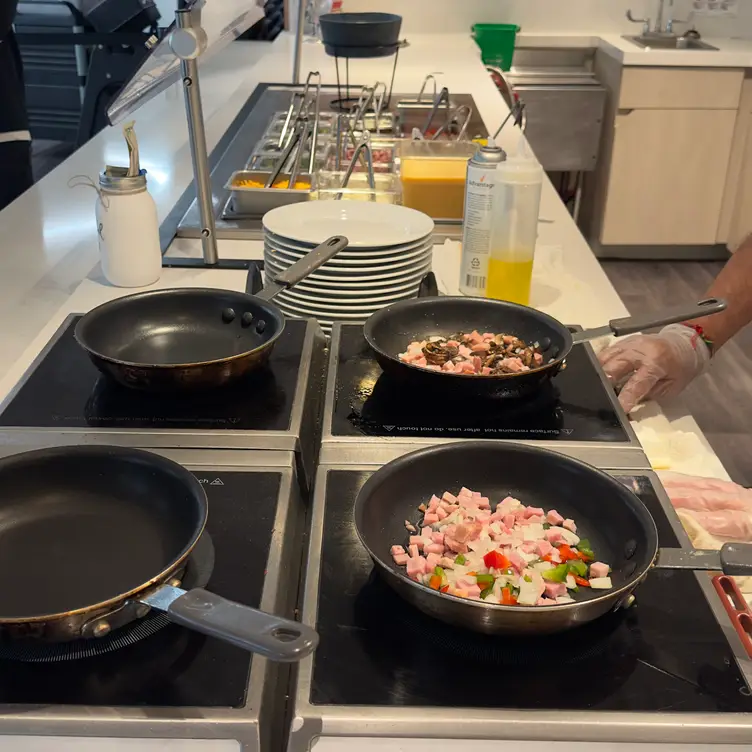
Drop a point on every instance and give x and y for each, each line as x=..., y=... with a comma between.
x=496, y=42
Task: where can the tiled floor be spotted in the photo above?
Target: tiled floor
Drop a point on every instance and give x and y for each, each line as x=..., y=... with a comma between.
x=721, y=400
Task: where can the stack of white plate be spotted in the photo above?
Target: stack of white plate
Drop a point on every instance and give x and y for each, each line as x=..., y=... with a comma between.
x=390, y=251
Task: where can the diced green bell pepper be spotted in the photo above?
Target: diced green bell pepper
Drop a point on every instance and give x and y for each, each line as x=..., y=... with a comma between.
x=557, y=574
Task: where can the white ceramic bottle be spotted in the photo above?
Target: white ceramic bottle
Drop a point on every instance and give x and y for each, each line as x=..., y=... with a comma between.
x=128, y=229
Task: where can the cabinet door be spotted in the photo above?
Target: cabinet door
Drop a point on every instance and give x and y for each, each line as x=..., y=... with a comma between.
x=667, y=177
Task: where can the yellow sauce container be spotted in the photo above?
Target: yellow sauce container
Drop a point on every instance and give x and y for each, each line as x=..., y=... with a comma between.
x=433, y=176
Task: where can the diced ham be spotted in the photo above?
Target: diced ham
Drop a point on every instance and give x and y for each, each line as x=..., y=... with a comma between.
x=416, y=540
x=416, y=565
x=453, y=545
x=484, y=502
x=465, y=492
x=543, y=547
x=555, y=589
x=446, y=562
x=516, y=561
x=553, y=535
x=554, y=518
x=533, y=511
x=508, y=520
x=442, y=514
x=431, y=519
x=400, y=559
x=437, y=538
x=476, y=494
x=569, y=525
x=414, y=552
x=433, y=504
x=446, y=496
x=599, y=569
x=432, y=561
x=467, y=531
x=434, y=548
x=528, y=547
x=394, y=550
x=545, y=602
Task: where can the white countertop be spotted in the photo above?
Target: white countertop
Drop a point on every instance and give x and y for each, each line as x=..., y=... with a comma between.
x=49, y=235
x=730, y=53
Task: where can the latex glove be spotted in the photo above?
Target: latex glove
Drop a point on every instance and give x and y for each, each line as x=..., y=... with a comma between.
x=650, y=366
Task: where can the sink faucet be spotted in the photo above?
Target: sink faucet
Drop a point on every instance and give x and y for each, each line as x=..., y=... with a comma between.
x=658, y=27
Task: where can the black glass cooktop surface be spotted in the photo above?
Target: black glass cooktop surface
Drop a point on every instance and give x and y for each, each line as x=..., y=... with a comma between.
x=65, y=390
x=574, y=407
x=667, y=652
x=174, y=667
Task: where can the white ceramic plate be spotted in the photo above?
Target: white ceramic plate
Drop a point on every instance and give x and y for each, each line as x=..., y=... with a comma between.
x=404, y=259
x=305, y=312
x=366, y=225
x=286, y=244
x=344, y=304
x=360, y=276
x=366, y=293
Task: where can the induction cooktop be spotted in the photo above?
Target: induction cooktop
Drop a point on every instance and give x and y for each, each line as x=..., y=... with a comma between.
x=368, y=417
x=169, y=681
x=383, y=663
x=63, y=398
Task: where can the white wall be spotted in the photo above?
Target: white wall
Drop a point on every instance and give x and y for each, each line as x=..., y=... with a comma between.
x=543, y=15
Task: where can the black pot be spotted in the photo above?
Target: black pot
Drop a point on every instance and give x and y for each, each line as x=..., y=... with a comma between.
x=351, y=34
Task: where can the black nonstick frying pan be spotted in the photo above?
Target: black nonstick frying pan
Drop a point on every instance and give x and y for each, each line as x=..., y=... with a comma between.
x=390, y=330
x=90, y=539
x=191, y=338
x=619, y=527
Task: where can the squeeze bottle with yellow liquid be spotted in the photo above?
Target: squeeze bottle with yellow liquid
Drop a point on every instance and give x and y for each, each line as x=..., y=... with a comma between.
x=516, y=204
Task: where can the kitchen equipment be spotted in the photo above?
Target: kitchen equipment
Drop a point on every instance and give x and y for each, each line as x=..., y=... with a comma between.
x=364, y=226
x=612, y=518
x=192, y=338
x=64, y=399
x=389, y=331
x=390, y=252
x=496, y=42
x=112, y=687
x=564, y=106
x=387, y=187
x=350, y=34
x=124, y=205
x=369, y=416
x=670, y=665
x=433, y=176
x=478, y=217
x=514, y=230
x=257, y=199
x=99, y=533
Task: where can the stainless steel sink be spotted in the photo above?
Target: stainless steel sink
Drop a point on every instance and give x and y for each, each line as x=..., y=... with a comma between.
x=669, y=43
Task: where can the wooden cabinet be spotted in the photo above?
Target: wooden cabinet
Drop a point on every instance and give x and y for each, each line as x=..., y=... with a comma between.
x=663, y=172
x=667, y=176
x=736, y=212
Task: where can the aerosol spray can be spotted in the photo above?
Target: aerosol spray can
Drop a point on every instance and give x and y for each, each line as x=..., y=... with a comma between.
x=476, y=229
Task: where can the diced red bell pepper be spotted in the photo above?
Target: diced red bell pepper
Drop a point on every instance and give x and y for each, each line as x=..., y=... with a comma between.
x=445, y=589
x=496, y=560
x=566, y=553
x=581, y=581
x=507, y=599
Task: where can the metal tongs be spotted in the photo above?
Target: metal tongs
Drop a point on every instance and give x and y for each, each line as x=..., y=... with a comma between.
x=453, y=118
x=442, y=97
x=306, y=106
x=364, y=147
x=520, y=117
x=292, y=110
x=297, y=139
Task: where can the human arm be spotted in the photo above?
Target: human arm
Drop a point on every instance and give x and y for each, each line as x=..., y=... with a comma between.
x=650, y=366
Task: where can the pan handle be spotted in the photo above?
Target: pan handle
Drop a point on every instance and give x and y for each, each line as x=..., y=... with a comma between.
x=307, y=265
x=733, y=559
x=633, y=324
x=271, y=636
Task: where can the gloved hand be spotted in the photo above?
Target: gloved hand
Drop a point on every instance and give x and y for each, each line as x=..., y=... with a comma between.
x=650, y=366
